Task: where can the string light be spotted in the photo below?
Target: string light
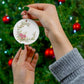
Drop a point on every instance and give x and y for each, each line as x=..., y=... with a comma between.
x=8, y=17
x=0, y=39
x=71, y=18
x=5, y=52
x=74, y=31
x=60, y=3
x=19, y=8
x=3, y=2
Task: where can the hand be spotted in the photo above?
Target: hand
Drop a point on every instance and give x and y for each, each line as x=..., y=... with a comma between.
x=46, y=15
x=48, y=18
x=24, y=67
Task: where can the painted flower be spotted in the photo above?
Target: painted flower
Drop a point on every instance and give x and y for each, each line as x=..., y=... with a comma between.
x=22, y=36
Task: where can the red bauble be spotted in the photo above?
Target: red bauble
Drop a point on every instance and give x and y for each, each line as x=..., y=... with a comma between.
x=76, y=26
x=6, y=19
x=61, y=1
x=10, y=62
x=49, y=53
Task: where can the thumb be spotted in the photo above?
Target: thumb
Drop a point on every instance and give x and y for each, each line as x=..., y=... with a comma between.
x=35, y=12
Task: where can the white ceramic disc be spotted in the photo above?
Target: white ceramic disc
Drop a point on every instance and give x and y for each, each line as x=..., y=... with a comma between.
x=26, y=31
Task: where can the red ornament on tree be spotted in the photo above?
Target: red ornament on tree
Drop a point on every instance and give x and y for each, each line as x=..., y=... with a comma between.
x=10, y=62
x=6, y=19
x=49, y=53
x=76, y=26
x=61, y=1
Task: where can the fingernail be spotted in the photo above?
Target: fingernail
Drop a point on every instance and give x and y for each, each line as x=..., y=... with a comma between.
x=22, y=46
x=26, y=8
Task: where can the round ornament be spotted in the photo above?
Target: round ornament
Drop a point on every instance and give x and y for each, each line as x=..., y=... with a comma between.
x=76, y=26
x=10, y=62
x=26, y=31
x=6, y=19
x=49, y=53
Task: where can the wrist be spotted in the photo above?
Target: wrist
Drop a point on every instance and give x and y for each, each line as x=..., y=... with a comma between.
x=55, y=29
x=60, y=43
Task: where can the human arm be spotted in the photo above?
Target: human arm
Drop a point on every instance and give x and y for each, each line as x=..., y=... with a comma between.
x=48, y=18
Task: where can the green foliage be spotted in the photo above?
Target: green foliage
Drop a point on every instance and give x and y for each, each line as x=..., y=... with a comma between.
x=72, y=8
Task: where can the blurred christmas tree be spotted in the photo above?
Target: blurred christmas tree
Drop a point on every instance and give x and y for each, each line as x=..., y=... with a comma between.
x=69, y=11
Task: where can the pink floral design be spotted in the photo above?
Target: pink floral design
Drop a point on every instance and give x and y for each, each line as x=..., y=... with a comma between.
x=22, y=36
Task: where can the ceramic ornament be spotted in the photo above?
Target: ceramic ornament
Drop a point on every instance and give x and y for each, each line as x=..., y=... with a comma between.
x=26, y=31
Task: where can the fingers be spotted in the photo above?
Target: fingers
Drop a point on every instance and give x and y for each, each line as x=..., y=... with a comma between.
x=17, y=55
x=25, y=16
x=32, y=13
x=23, y=55
x=32, y=17
x=30, y=54
x=24, y=12
x=35, y=12
x=28, y=50
x=34, y=61
x=40, y=6
x=28, y=15
x=26, y=54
